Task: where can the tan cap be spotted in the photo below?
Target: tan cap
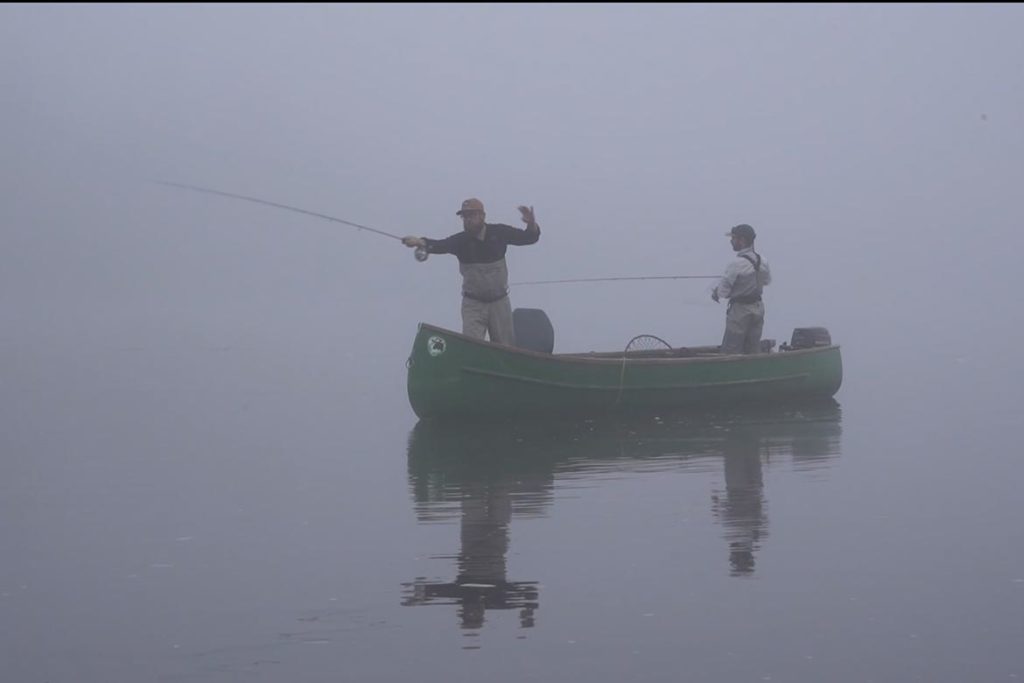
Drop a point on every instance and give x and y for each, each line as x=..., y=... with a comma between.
x=473, y=204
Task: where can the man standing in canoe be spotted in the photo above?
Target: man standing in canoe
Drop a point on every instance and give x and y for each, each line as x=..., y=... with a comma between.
x=742, y=283
x=480, y=248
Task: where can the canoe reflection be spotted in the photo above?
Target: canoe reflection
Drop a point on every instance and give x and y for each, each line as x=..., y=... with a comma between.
x=487, y=474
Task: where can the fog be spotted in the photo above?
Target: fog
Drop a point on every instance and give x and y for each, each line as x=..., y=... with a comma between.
x=876, y=149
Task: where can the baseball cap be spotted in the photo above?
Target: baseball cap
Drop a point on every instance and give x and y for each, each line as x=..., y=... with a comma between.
x=473, y=204
x=742, y=230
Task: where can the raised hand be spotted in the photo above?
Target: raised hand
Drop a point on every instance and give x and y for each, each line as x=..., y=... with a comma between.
x=528, y=217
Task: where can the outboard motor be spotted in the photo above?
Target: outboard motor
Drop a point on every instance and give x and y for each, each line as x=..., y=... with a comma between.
x=533, y=330
x=808, y=338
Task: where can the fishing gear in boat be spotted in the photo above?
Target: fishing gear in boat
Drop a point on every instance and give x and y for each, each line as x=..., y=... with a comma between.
x=647, y=342
x=420, y=253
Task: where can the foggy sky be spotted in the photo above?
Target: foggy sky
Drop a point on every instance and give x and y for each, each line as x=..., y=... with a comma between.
x=878, y=150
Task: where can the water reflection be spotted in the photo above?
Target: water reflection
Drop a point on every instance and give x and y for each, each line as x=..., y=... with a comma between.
x=484, y=475
x=741, y=508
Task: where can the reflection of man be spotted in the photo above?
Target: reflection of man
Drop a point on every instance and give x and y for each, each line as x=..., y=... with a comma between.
x=485, y=489
x=742, y=510
x=486, y=513
x=481, y=584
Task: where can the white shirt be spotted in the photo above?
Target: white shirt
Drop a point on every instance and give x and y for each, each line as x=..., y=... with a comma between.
x=740, y=279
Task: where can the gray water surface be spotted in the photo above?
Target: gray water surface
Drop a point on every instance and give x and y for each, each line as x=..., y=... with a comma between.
x=230, y=514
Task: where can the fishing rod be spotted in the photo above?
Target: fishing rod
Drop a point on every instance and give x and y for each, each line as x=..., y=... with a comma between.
x=609, y=279
x=421, y=253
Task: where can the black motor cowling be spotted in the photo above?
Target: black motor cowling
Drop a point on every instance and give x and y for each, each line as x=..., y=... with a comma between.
x=533, y=330
x=810, y=337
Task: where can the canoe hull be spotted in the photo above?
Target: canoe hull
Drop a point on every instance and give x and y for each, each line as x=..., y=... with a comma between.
x=453, y=376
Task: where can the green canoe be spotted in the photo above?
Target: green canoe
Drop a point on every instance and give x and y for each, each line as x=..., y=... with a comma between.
x=454, y=376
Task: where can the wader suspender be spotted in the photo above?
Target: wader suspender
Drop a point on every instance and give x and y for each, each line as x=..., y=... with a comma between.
x=751, y=298
x=757, y=266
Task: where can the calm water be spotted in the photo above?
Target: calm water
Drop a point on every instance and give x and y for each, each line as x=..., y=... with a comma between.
x=189, y=513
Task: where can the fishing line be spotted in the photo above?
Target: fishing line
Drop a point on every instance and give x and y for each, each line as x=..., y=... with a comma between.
x=610, y=279
x=421, y=254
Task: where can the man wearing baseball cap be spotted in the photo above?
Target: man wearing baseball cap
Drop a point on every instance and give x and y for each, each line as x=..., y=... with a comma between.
x=480, y=248
x=742, y=285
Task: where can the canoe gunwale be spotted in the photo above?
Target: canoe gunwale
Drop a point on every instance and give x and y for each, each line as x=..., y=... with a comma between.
x=583, y=358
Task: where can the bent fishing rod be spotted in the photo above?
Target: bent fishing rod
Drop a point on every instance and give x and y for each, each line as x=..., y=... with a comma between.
x=420, y=253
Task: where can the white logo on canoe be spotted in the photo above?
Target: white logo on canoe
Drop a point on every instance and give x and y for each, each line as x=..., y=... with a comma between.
x=436, y=346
